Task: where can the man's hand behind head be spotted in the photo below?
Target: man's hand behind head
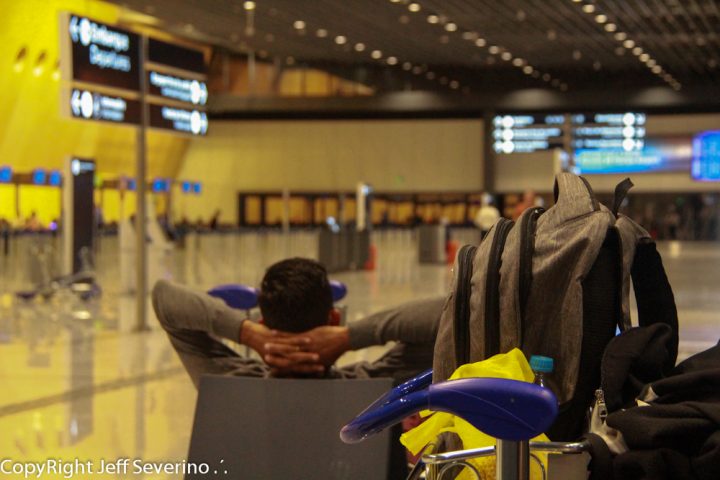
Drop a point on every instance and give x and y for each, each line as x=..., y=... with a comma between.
x=290, y=354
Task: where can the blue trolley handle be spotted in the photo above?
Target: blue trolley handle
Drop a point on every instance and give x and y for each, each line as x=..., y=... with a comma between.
x=502, y=408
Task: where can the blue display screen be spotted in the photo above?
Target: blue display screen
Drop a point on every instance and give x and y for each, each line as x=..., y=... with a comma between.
x=161, y=185
x=706, y=157
x=131, y=184
x=39, y=177
x=55, y=178
x=187, y=187
x=667, y=154
x=197, y=188
x=5, y=174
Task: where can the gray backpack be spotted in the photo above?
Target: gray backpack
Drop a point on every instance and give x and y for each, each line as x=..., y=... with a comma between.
x=555, y=283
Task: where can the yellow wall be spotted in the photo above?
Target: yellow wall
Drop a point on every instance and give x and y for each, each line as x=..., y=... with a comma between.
x=32, y=133
x=392, y=155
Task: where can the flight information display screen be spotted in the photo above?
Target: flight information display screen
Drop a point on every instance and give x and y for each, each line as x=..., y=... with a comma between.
x=661, y=154
x=706, y=157
x=527, y=133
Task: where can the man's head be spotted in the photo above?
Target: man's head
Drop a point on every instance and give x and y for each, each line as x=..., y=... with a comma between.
x=295, y=295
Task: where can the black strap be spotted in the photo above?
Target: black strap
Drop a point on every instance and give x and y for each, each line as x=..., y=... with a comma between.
x=601, y=466
x=621, y=191
x=655, y=299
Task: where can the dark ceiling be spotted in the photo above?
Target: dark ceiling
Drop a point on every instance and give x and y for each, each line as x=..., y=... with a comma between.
x=468, y=45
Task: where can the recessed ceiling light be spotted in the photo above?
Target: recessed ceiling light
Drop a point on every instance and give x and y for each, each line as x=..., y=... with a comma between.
x=644, y=57
x=535, y=74
x=450, y=27
x=469, y=35
x=637, y=51
x=392, y=60
x=588, y=8
x=430, y=75
x=433, y=19
x=376, y=54
x=620, y=36
x=494, y=49
x=651, y=63
x=407, y=66
x=414, y=7
x=359, y=47
x=657, y=69
x=601, y=18
x=480, y=42
x=563, y=87
x=551, y=34
x=299, y=25
x=610, y=27
x=321, y=33
x=628, y=44
x=546, y=77
x=576, y=54
x=454, y=84
x=417, y=70
x=527, y=70
x=341, y=39
x=249, y=5
x=506, y=56
x=518, y=62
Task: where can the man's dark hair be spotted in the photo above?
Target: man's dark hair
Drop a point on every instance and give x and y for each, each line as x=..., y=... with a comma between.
x=295, y=295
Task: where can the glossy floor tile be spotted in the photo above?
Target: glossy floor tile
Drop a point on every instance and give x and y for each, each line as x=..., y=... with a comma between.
x=78, y=382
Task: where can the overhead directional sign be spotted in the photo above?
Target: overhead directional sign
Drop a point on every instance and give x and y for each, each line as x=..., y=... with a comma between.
x=706, y=157
x=623, y=131
x=527, y=133
x=175, y=87
x=92, y=105
x=183, y=58
x=100, y=54
x=181, y=120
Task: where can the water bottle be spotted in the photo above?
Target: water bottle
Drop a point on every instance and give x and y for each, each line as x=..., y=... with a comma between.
x=543, y=368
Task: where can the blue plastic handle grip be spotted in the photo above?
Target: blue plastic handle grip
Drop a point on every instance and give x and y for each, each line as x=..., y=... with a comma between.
x=502, y=408
x=339, y=290
x=241, y=297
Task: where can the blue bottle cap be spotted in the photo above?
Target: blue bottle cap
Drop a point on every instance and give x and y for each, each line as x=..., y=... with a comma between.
x=541, y=364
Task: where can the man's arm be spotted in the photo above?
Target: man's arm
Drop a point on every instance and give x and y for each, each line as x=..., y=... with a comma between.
x=412, y=323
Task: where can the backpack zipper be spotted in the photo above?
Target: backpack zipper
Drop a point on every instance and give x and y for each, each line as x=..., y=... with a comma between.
x=527, y=248
x=462, y=305
x=492, y=288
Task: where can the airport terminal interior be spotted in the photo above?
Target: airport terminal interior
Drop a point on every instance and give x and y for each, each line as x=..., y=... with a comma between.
x=372, y=136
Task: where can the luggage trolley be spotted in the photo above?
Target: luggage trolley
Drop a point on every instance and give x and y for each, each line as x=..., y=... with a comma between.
x=510, y=410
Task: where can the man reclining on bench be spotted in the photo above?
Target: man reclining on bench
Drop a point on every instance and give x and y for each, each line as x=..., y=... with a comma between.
x=295, y=339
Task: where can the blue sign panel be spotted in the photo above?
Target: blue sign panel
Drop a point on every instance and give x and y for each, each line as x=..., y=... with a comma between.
x=55, y=178
x=6, y=174
x=39, y=176
x=706, y=157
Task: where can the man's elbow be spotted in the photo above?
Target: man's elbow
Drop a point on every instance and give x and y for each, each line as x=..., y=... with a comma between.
x=159, y=295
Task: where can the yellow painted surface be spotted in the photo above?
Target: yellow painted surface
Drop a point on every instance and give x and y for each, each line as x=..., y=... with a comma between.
x=33, y=134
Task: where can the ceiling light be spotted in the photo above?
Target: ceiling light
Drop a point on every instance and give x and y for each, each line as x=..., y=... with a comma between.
x=551, y=34
x=494, y=49
x=430, y=75
x=433, y=19
x=394, y=1
x=576, y=54
x=359, y=47
x=628, y=44
x=321, y=33
x=620, y=36
x=454, y=84
x=637, y=51
x=414, y=7
x=610, y=27
x=563, y=87
x=506, y=56
x=249, y=5
x=450, y=27
x=407, y=66
x=535, y=74
x=376, y=54
x=341, y=40
x=417, y=70
x=527, y=70
x=577, y=1
x=469, y=35
x=644, y=57
x=588, y=8
x=392, y=60
x=712, y=63
x=657, y=69
x=480, y=42
x=601, y=18
x=518, y=62
x=546, y=77
x=651, y=63
x=299, y=25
